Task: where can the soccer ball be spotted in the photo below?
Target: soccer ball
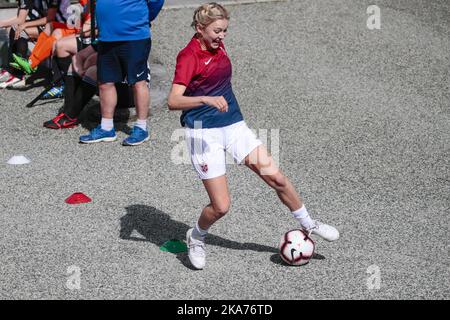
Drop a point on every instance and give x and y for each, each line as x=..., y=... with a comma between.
x=296, y=247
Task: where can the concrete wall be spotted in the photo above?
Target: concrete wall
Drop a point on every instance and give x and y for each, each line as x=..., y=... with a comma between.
x=7, y=13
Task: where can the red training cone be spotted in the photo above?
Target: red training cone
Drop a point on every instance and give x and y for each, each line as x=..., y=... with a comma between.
x=77, y=198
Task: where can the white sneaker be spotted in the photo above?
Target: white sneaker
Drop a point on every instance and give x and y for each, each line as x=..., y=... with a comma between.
x=4, y=76
x=324, y=231
x=197, y=251
x=19, y=85
x=10, y=82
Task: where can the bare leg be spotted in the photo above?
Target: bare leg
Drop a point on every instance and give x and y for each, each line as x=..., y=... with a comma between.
x=219, y=196
x=66, y=47
x=108, y=99
x=79, y=59
x=141, y=99
x=263, y=164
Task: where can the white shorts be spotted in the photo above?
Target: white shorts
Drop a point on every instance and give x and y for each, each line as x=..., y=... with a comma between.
x=207, y=147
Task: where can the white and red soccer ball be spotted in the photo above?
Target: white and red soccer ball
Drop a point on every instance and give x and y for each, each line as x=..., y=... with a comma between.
x=296, y=247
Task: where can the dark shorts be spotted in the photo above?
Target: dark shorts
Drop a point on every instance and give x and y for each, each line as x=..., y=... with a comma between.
x=123, y=61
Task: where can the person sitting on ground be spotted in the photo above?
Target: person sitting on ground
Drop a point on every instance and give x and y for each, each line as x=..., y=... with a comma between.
x=64, y=49
x=54, y=30
x=80, y=87
x=28, y=11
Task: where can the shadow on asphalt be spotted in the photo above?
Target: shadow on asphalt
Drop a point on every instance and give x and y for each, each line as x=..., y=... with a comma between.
x=90, y=117
x=157, y=227
x=275, y=258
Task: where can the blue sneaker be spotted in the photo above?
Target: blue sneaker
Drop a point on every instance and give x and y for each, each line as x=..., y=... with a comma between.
x=137, y=137
x=53, y=93
x=99, y=135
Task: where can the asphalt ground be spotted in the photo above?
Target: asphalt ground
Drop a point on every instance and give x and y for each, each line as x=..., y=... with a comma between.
x=363, y=123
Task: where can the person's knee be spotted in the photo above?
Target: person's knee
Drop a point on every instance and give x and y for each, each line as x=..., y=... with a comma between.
x=141, y=85
x=278, y=181
x=91, y=73
x=57, y=33
x=221, y=207
x=59, y=49
x=106, y=86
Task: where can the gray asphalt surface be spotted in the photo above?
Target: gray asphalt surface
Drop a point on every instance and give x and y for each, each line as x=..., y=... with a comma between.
x=363, y=120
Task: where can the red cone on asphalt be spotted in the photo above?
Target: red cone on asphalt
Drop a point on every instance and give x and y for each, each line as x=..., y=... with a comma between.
x=78, y=197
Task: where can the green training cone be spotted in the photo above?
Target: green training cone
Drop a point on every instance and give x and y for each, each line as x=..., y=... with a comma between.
x=174, y=246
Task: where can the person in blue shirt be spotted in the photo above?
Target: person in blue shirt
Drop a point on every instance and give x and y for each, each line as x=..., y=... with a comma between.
x=124, y=43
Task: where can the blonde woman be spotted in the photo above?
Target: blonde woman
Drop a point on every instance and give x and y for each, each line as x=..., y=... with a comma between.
x=214, y=124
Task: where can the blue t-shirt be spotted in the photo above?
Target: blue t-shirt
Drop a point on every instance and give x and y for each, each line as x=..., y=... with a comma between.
x=126, y=20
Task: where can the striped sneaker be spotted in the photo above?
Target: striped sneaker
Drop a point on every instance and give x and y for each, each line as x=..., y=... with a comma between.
x=11, y=82
x=4, y=75
x=53, y=93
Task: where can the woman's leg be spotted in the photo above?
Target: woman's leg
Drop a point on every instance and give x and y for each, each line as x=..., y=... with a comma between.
x=44, y=47
x=66, y=46
x=263, y=164
x=219, y=197
x=217, y=189
x=79, y=59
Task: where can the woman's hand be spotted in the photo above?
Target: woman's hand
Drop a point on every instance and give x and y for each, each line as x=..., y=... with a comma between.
x=217, y=102
x=18, y=30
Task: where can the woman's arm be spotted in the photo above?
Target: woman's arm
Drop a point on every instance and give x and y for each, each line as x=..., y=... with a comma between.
x=19, y=19
x=177, y=101
x=51, y=16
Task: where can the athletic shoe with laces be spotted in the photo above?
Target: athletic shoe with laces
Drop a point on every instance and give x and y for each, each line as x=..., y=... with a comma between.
x=137, y=137
x=196, y=251
x=19, y=85
x=323, y=230
x=61, y=121
x=98, y=135
x=53, y=93
x=11, y=82
x=24, y=64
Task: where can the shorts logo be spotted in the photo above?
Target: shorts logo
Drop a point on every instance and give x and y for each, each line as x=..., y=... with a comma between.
x=204, y=167
x=140, y=74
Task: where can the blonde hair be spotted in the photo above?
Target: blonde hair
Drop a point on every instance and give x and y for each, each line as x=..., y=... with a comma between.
x=209, y=13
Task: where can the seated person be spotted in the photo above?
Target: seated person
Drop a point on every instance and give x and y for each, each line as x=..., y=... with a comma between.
x=80, y=87
x=65, y=49
x=54, y=31
x=28, y=11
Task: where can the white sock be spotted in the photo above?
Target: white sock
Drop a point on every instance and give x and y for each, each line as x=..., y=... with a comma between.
x=303, y=217
x=107, y=124
x=141, y=124
x=198, y=233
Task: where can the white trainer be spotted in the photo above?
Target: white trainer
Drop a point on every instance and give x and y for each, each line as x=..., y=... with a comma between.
x=4, y=75
x=324, y=231
x=197, y=251
x=10, y=82
x=19, y=85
